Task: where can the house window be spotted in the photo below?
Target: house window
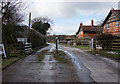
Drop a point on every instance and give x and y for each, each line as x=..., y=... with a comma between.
x=108, y=26
x=118, y=24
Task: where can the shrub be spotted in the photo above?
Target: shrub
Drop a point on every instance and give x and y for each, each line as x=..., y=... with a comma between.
x=36, y=38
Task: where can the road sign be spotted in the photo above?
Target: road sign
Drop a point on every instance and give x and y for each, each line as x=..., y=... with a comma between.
x=3, y=50
x=24, y=40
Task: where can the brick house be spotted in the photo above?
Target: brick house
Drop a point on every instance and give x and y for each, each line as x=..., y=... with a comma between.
x=87, y=31
x=111, y=24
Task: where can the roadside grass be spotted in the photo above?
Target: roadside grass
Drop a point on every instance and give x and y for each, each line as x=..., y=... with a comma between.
x=10, y=60
x=41, y=55
x=51, y=42
x=103, y=53
x=60, y=57
x=106, y=54
x=15, y=57
x=82, y=47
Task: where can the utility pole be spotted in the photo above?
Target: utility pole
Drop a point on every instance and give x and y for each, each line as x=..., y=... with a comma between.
x=29, y=19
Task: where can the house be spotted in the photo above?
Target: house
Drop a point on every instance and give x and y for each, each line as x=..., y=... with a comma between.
x=111, y=24
x=88, y=31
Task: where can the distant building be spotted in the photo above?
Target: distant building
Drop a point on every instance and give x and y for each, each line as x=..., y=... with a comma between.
x=111, y=24
x=88, y=31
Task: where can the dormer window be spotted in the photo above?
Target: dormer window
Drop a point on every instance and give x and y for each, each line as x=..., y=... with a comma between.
x=108, y=26
x=118, y=24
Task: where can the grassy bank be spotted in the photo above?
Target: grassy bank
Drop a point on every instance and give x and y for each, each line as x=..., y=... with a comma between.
x=10, y=60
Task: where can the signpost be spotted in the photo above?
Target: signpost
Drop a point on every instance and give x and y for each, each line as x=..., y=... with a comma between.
x=3, y=50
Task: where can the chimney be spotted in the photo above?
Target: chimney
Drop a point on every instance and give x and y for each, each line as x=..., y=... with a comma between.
x=81, y=24
x=92, y=23
x=112, y=9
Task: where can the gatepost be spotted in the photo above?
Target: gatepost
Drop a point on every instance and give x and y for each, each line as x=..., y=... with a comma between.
x=56, y=44
x=92, y=43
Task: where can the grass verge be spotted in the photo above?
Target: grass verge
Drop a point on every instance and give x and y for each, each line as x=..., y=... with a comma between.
x=106, y=54
x=60, y=56
x=41, y=55
x=82, y=47
x=101, y=52
x=8, y=61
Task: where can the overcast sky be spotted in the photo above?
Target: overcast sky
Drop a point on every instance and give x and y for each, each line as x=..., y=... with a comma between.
x=68, y=15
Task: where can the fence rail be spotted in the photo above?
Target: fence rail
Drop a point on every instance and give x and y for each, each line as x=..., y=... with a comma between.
x=28, y=47
x=109, y=44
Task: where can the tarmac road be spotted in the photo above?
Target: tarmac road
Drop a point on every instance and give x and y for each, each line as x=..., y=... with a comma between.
x=29, y=69
x=100, y=69
x=84, y=68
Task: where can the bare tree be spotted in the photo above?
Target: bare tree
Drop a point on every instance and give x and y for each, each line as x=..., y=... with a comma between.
x=11, y=12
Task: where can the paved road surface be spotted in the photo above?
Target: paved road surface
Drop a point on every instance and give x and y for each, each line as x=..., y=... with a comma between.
x=29, y=69
x=89, y=68
x=101, y=69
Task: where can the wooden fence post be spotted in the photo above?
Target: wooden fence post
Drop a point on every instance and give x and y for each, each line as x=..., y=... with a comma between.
x=56, y=44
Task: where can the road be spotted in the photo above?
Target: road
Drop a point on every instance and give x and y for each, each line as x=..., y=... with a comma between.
x=100, y=69
x=84, y=68
x=29, y=69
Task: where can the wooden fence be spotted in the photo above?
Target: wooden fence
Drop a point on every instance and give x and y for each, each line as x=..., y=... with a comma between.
x=116, y=44
x=102, y=44
x=27, y=47
x=108, y=44
x=18, y=49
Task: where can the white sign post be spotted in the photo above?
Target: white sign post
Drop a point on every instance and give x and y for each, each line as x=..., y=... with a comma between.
x=3, y=50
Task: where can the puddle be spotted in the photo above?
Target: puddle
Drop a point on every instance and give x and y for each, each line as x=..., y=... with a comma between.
x=52, y=48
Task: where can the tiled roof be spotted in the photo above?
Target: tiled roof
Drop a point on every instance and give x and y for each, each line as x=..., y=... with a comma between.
x=117, y=12
x=89, y=28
